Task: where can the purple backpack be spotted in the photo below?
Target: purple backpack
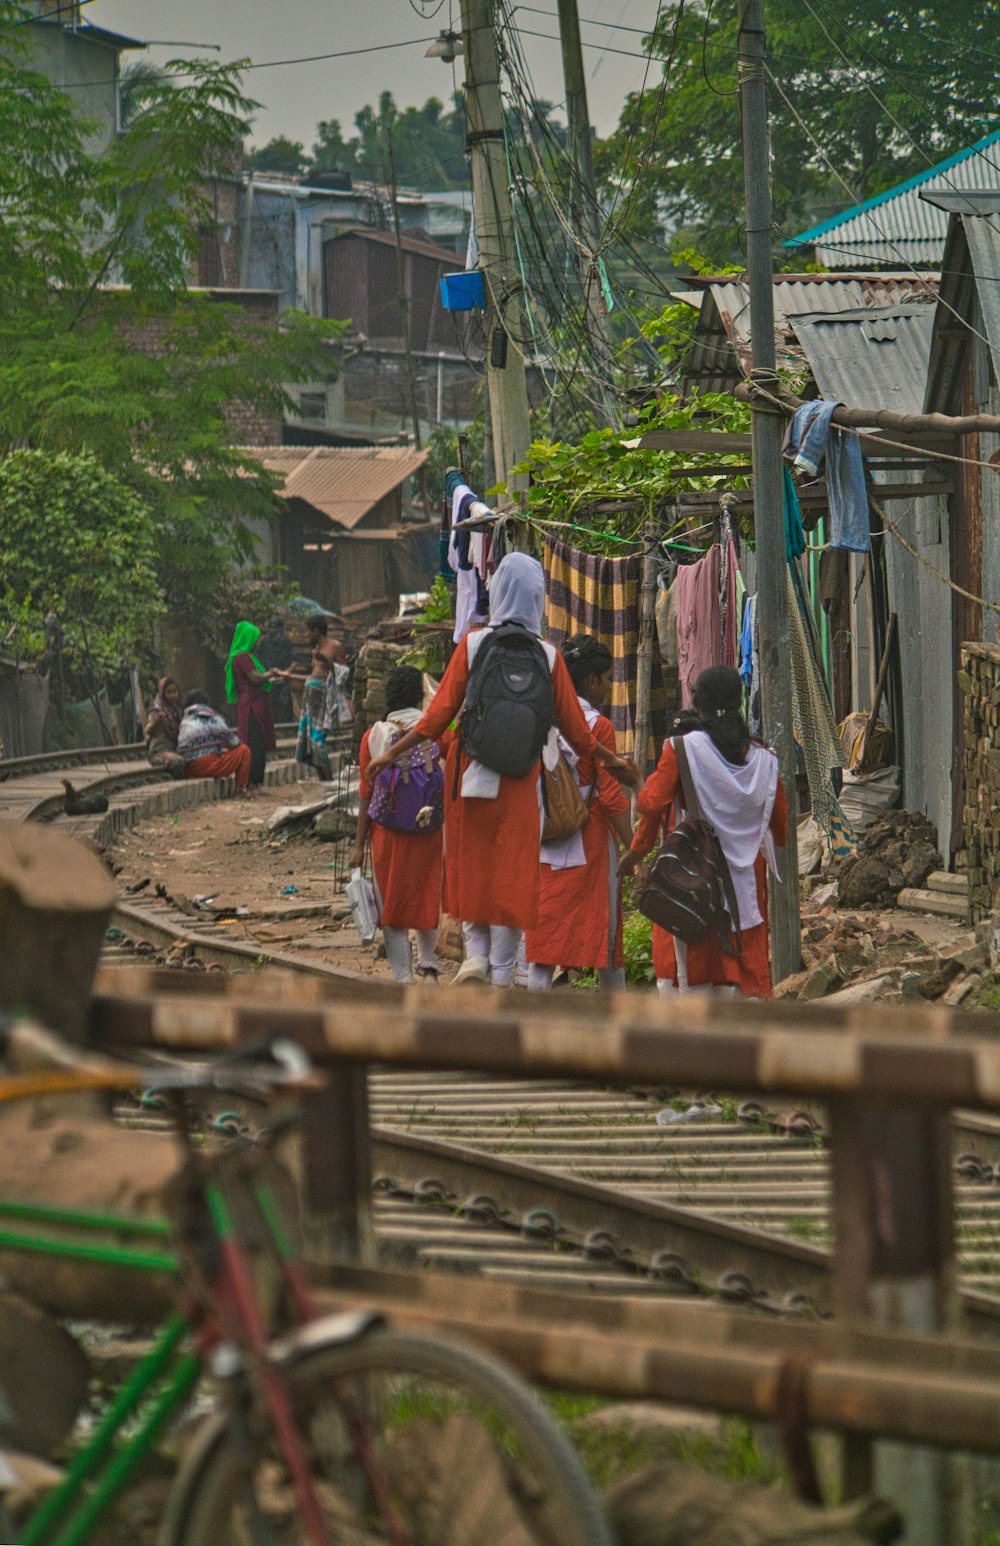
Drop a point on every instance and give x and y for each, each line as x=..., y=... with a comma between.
x=409, y=796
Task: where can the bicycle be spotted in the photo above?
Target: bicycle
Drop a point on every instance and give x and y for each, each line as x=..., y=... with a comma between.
x=325, y=1430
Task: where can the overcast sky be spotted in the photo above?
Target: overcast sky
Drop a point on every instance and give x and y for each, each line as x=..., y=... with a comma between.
x=295, y=97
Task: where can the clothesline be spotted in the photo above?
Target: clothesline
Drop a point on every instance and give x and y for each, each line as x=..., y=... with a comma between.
x=875, y=436
x=890, y=526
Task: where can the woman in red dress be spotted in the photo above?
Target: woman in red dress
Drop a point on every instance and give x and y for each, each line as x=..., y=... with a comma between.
x=579, y=911
x=408, y=866
x=492, y=831
x=741, y=795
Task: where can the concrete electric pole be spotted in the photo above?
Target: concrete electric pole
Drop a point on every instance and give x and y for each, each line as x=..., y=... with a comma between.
x=768, y=484
x=503, y=317
x=584, y=209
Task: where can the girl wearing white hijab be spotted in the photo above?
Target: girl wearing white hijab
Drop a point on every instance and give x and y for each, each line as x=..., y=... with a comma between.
x=740, y=794
x=492, y=825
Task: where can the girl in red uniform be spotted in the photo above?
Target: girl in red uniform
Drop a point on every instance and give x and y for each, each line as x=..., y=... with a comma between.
x=579, y=911
x=408, y=866
x=743, y=798
x=492, y=822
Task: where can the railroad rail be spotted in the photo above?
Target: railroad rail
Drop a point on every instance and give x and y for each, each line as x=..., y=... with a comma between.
x=515, y=1140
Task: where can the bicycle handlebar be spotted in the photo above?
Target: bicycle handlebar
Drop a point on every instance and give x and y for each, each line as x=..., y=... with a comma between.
x=43, y=1063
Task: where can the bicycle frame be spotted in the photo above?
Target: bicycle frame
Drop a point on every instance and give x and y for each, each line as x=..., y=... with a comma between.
x=166, y=1377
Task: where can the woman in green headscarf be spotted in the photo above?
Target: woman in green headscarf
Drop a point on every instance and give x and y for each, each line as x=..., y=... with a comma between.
x=248, y=685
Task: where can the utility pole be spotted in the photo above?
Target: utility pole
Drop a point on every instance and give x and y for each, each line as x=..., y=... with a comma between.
x=503, y=316
x=768, y=479
x=584, y=208
x=404, y=303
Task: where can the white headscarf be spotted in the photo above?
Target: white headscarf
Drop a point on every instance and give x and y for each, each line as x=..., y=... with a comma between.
x=517, y=593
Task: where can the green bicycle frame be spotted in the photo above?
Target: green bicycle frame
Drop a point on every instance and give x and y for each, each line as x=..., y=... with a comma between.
x=160, y=1384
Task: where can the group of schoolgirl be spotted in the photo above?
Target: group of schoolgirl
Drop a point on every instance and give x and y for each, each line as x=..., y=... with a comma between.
x=465, y=807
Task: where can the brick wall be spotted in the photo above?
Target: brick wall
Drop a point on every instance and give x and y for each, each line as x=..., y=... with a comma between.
x=979, y=681
x=248, y=425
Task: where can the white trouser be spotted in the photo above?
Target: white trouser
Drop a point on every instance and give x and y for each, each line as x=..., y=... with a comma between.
x=610, y=979
x=497, y=944
x=397, y=951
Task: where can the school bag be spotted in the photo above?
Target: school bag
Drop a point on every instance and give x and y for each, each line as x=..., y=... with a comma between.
x=690, y=888
x=509, y=705
x=566, y=811
x=408, y=796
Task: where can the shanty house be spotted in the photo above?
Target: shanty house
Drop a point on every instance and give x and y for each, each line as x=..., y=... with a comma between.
x=865, y=339
x=350, y=532
x=962, y=379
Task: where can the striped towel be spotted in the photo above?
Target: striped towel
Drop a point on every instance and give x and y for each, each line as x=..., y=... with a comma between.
x=585, y=593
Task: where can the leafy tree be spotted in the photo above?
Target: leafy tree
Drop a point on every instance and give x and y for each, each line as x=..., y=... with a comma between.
x=428, y=144
x=279, y=155
x=884, y=89
x=76, y=541
x=103, y=349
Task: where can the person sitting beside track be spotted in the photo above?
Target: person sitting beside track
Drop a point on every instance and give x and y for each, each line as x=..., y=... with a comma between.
x=162, y=727
x=209, y=747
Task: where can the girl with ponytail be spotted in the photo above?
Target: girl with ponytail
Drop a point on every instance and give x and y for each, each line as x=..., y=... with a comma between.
x=579, y=909
x=739, y=792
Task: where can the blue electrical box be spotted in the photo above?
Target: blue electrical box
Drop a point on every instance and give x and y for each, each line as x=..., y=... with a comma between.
x=462, y=292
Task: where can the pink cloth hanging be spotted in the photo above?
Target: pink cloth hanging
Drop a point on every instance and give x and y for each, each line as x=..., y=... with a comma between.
x=699, y=621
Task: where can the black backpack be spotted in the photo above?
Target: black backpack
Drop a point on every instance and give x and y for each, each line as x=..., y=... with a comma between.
x=690, y=888
x=509, y=705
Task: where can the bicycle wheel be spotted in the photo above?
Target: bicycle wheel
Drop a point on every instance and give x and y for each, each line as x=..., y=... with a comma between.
x=463, y=1448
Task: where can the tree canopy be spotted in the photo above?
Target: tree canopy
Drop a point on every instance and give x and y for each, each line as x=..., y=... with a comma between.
x=861, y=96
x=104, y=349
x=428, y=146
x=77, y=542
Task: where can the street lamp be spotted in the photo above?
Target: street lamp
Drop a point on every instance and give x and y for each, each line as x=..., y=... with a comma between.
x=447, y=46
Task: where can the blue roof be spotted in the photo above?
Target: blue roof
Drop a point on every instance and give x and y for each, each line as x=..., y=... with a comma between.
x=909, y=220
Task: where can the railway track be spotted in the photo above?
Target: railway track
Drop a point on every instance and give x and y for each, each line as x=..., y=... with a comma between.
x=548, y=1183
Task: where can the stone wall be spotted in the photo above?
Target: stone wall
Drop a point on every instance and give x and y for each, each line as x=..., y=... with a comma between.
x=979, y=681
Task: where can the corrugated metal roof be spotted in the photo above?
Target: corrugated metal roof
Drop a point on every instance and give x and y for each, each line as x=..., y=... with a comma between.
x=721, y=347
x=422, y=245
x=878, y=353
x=343, y=482
x=898, y=226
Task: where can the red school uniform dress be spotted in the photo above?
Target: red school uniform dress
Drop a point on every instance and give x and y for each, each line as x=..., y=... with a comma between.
x=492, y=864
x=579, y=908
x=750, y=971
x=408, y=866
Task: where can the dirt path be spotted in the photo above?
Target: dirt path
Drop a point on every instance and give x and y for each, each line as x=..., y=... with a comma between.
x=223, y=851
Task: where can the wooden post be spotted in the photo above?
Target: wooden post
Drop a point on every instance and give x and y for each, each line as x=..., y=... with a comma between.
x=644, y=659
x=337, y=1167
x=55, y=905
x=893, y=1266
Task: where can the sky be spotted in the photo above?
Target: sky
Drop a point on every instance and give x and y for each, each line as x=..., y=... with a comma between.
x=294, y=98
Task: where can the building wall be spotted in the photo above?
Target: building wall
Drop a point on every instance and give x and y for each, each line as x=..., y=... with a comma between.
x=87, y=69
x=922, y=604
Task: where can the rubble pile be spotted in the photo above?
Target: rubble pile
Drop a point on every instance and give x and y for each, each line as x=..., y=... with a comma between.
x=897, y=851
x=857, y=958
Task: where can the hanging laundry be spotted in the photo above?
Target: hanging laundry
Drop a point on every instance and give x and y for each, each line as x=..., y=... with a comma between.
x=811, y=441
x=471, y=602
x=666, y=623
x=699, y=621
x=588, y=593
x=812, y=716
x=795, y=537
x=729, y=616
x=750, y=667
